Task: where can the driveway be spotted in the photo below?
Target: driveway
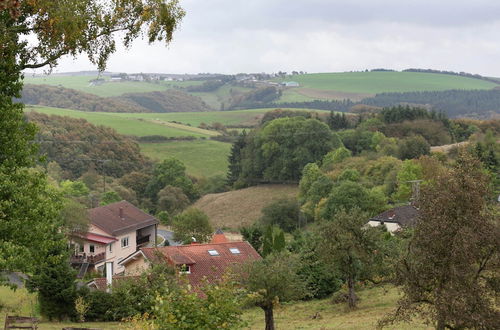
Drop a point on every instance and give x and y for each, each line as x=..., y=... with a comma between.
x=169, y=236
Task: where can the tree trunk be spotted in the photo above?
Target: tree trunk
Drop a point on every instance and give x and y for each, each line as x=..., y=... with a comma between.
x=351, y=299
x=269, y=318
x=440, y=325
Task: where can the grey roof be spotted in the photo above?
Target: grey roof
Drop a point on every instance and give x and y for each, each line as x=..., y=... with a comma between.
x=405, y=216
x=108, y=218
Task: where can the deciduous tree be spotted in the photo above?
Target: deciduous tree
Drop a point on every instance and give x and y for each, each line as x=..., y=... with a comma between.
x=449, y=274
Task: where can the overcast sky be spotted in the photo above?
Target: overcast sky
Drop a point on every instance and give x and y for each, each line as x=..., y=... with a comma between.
x=231, y=36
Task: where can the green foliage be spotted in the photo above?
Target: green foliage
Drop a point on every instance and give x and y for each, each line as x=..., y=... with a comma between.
x=273, y=280
x=212, y=185
x=349, y=175
x=283, y=213
x=273, y=240
x=109, y=197
x=413, y=147
x=74, y=188
x=54, y=282
x=253, y=234
x=334, y=157
x=410, y=170
x=281, y=149
x=192, y=223
x=449, y=272
x=75, y=216
x=170, y=172
x=348, y=195
x=235, y=158
x=87, y=27
x=320, y=278
x=79, y=146
x=220, y=307
x=164, y=218
x=351, y=248
x=172, y=199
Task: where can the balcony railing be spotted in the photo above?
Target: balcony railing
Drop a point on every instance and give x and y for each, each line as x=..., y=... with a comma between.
x=91, y=259
x=143, y=240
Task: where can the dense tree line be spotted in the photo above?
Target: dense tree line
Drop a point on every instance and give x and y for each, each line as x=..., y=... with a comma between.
x=455, y=103
x=78, y=146
x=168, y=101
x=333, y=105
x=260, y=96
x=171, y=100
x=280, y=149
x=60, y=97
x=461, y=74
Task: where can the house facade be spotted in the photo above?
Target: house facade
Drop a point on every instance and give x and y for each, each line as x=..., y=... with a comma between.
x=116, y=231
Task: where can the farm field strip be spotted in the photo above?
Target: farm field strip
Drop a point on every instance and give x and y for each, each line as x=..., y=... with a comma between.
x=380, y=82
x=108, y=88
x=128, y=125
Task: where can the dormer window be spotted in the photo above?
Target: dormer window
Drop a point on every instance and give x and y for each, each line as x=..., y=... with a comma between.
x=213, y=252
x=185, y=269
x=234, y=251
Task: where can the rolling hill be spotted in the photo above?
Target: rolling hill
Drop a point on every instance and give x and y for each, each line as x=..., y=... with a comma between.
x=236, y=208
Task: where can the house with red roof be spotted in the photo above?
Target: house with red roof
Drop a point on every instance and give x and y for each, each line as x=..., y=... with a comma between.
x=195, y=261
x=116, y=231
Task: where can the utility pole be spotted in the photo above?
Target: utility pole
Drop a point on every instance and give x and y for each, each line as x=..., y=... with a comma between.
x=415, y=191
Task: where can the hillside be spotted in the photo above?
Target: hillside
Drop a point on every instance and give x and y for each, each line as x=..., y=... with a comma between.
x=379, y=82
x=165, y=101
x=236, y=208
x=78, y=146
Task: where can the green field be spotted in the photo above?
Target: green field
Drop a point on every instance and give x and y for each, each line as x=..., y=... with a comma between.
x=201, y=157
x=126, y=123
x=82, y=83
x=133, y=125
x=379, y=82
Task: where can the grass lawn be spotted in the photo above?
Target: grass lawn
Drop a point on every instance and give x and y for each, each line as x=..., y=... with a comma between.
x=201, y=157
x=379, y=82
x=374, y=304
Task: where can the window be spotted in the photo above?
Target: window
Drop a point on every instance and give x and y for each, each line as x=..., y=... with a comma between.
x=234, y=251
x=111, y=248
x=91, y=248
x=80, y=248
x=125, y=242
x=185, y=269
x=213, y=252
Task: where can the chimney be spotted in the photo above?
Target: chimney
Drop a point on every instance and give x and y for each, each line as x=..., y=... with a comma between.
x=121, y=213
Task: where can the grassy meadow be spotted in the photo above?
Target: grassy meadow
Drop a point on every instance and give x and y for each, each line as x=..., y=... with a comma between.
x=374, y=304
x=232, y=209
x=380, y=82
x=201, y=157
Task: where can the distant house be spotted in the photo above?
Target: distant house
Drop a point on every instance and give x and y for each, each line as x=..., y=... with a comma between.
x=290, y=84
x=116, y=78
x=196, y=261
x=116, y=231
x=397, y=218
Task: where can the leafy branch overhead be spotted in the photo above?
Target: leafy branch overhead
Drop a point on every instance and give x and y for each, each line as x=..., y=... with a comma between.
x=87, y=26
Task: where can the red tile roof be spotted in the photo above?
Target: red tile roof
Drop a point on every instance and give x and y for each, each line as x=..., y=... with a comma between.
x=91, y=237
x=201, y=263
x=120, y=217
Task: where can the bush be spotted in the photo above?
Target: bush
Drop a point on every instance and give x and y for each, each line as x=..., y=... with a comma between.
x=283, y=213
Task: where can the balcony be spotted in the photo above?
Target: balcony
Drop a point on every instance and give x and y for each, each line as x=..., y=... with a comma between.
x=91, y=259
x=142, y=240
